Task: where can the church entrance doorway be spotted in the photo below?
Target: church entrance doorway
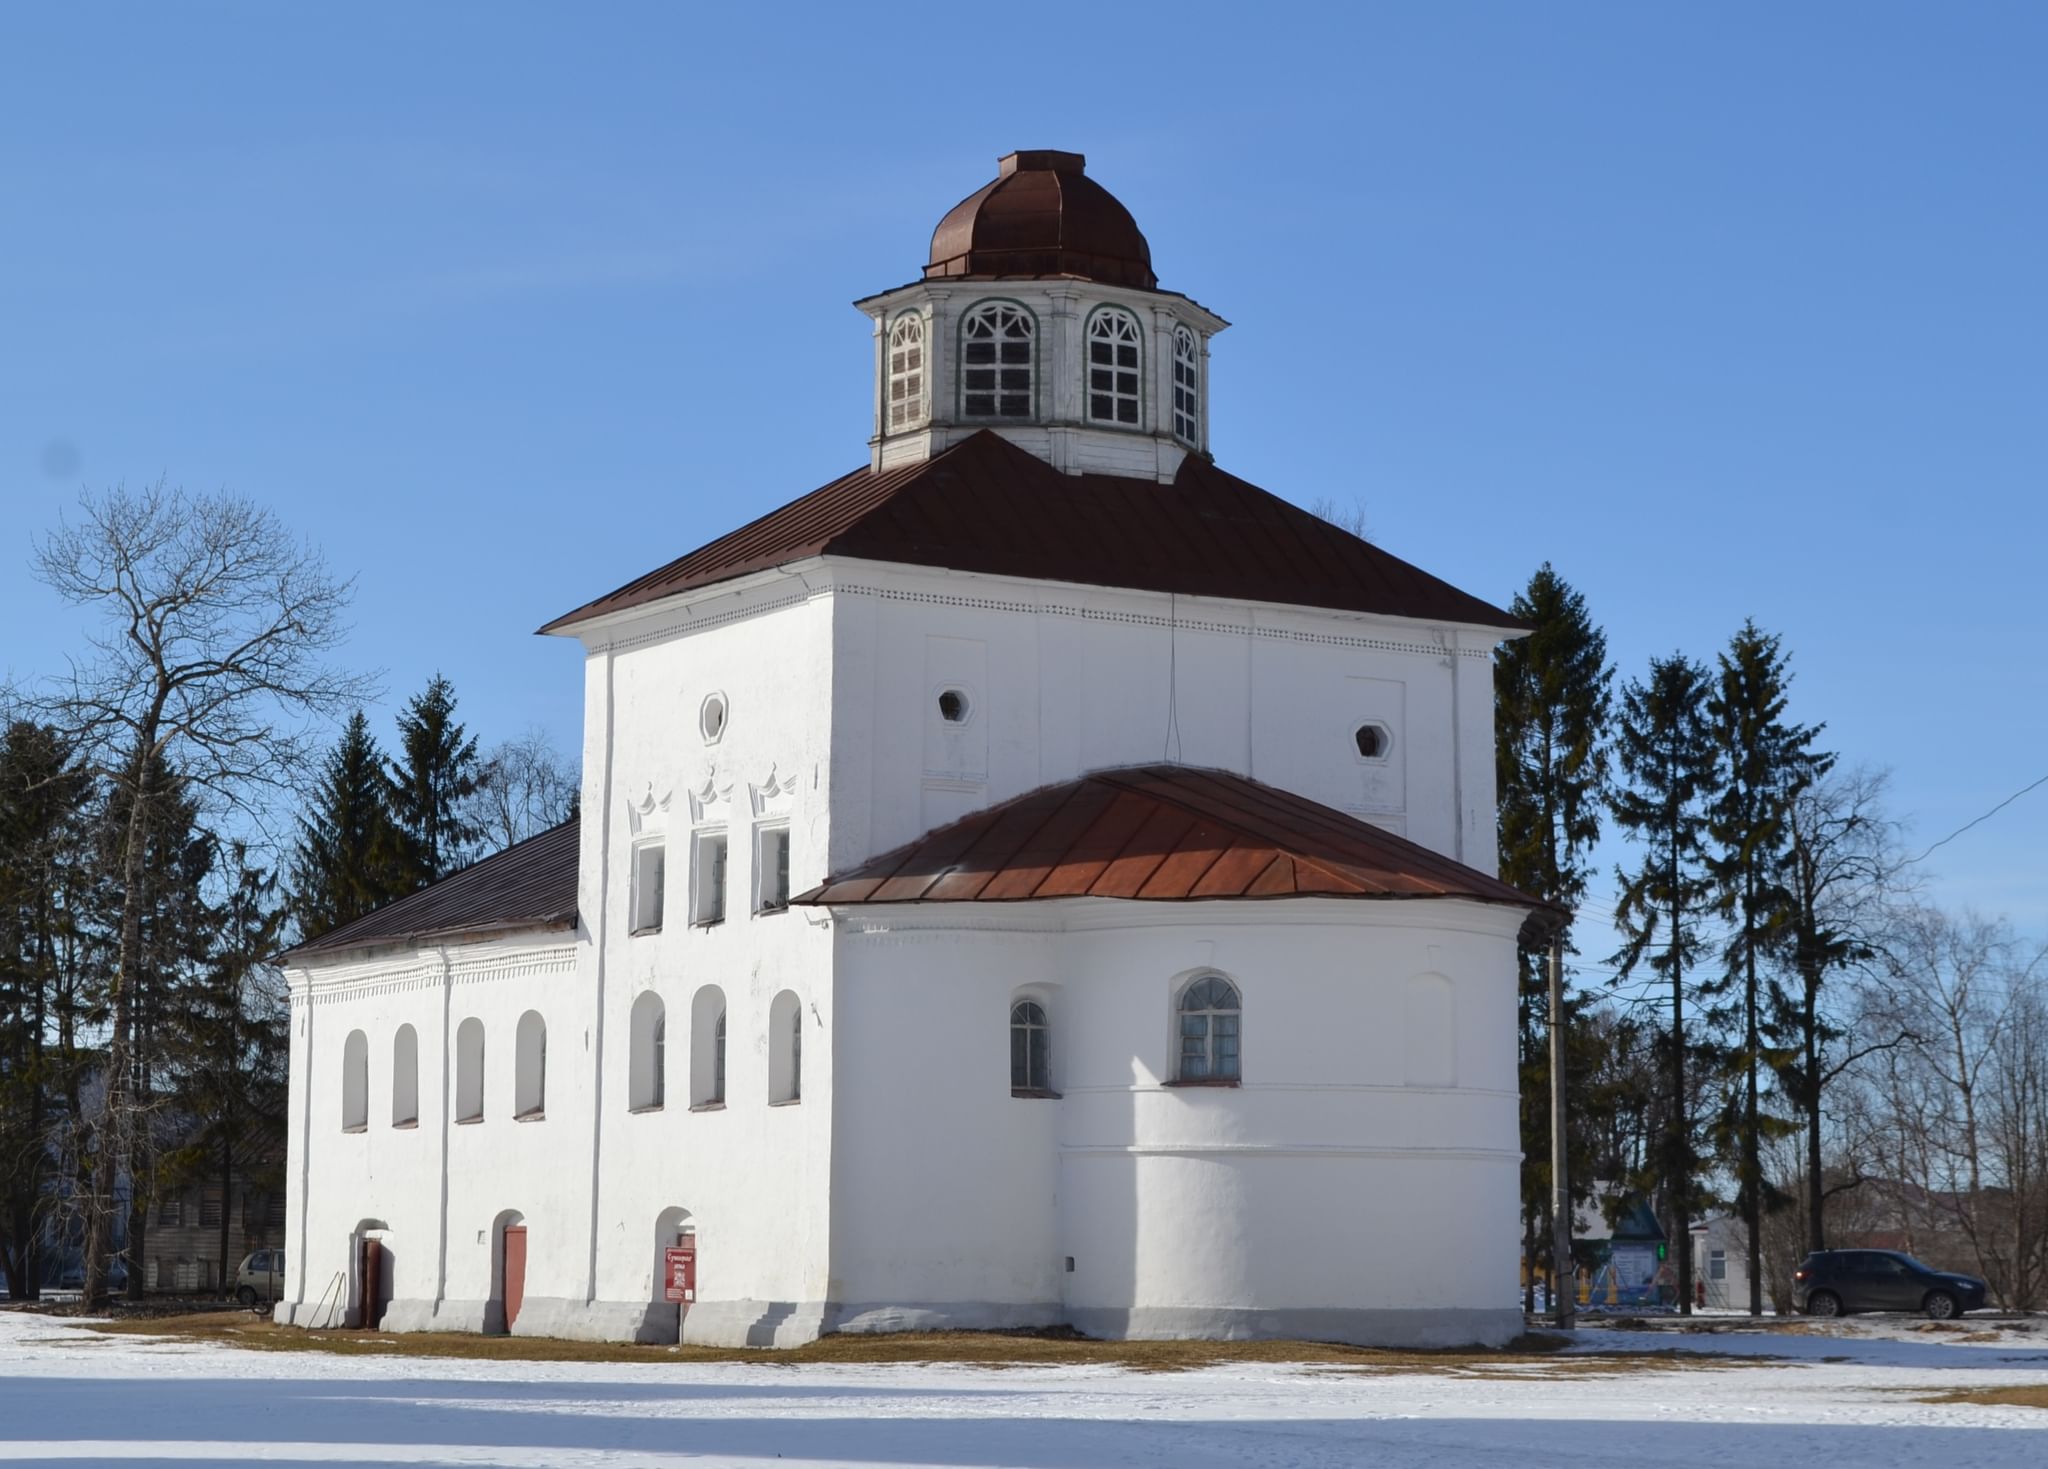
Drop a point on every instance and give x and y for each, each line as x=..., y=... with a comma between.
x=515, y=1272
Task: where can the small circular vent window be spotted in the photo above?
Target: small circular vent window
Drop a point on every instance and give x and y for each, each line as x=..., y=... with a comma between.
x=953, y=706
x=1373, y=741
x=711, y=718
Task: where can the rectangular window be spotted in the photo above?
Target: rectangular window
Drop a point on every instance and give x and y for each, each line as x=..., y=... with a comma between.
x=209, y=1208
x=273, y=1216
x=650, y=883
x=771, y=870
x=708, y=904
x=171, y=1212
x=1717, y=1264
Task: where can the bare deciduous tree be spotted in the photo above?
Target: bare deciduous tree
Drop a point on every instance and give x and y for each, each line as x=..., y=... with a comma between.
x=1962, y=1101
x=1839, y=871
x=211, y=664
x=1350, y=517
x=526, y=786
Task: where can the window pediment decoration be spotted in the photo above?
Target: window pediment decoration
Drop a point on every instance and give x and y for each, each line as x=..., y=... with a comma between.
x=775, y=791
x=648, y=813
x=711, y=797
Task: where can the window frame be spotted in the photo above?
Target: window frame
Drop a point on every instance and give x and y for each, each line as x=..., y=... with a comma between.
x=709, y=876
x=785, y=1049
x=916, y=400
x=644, y=887
x=708, y=1008
x=988, y=307
x=355, y=1082
x=1042, y=1027
x=1187, y=379
x=1117, y=395
x=468, y=1116
x=535, y=1107
x=405, y=1077
x=647, y=1062
x=766, y=874
x=1180, y=1036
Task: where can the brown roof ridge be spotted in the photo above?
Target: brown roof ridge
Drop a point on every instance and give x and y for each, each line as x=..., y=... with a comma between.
x=985, y=506
x=530, y=884
x=1161, y=832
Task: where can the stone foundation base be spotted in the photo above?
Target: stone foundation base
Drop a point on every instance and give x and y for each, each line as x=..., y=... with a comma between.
x=941, y=1316
x=1354, y=1326
x=792, y=1323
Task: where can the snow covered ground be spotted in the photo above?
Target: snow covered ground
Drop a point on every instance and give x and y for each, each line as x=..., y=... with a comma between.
x=1846, y=1397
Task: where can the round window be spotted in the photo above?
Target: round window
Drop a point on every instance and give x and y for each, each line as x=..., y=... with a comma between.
x=711, y=718
x=953, y=706
x=1372, y=741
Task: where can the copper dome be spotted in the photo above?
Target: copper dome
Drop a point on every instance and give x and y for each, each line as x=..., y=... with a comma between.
x=1042, y=216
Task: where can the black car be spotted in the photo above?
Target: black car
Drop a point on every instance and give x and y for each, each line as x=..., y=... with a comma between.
x=1835, y=1282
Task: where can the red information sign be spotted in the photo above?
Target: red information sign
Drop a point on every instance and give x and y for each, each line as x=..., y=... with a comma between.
x=680, y=1272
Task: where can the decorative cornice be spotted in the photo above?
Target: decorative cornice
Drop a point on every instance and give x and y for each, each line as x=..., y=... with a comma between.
x=820, y=577
x=423, y=970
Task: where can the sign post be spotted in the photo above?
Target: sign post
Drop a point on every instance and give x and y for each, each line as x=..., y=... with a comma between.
x=679, y=1273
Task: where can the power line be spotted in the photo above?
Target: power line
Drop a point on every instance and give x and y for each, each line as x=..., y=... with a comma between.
x=2043, y=781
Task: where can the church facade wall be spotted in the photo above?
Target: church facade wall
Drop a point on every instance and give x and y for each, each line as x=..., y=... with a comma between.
x=746, y=1172
x=1355, y=1185
x=429, y=1188
x=1062, y=680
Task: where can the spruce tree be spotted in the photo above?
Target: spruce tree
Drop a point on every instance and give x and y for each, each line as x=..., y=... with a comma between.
x=1668, y=762
x=349, y=858
x=44, y=871
x=432, y=779
x=233, y=1080
x=1766, y=763
x=1551, y=709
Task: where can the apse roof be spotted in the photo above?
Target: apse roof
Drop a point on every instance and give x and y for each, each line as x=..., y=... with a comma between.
x=984, y=505
x=1160, y=833
x=531, y=884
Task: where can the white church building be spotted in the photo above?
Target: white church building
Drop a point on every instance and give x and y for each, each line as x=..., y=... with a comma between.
x=1035, y=878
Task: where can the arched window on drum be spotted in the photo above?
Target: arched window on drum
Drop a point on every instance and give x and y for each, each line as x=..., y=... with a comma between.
x=1210, y=1016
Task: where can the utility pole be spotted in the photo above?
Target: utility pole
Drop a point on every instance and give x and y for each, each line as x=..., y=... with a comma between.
x=1563, y=1289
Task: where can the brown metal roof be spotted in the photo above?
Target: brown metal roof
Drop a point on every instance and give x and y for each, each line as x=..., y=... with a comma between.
x=531, y=884
x=1160, y=833
x=1042, y=216
x=987, y=506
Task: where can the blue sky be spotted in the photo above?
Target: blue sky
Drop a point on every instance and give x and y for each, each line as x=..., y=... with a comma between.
x=1729, y=311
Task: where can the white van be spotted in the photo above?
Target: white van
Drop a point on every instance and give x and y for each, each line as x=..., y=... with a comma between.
x=260, y=1277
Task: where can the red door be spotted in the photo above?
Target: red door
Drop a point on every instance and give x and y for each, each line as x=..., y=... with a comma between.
x=515, y=1272
x=373, y=1284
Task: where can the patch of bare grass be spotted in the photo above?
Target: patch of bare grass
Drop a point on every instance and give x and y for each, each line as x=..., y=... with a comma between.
x=2008, y=1397
x=1533, y=1353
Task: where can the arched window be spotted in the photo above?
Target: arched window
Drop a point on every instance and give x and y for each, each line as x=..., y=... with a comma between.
x=530, y=1067
x=707, y=1047
x=469, y=1070
x=1029, y=1072
x=786, y=1048
x=906, y=373
x=1187, y=386
x=647, y=1075
x=1113, y=367
x=1209, y=1016
x=405, y=1078
x=996, y=361
x=355, y=1082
